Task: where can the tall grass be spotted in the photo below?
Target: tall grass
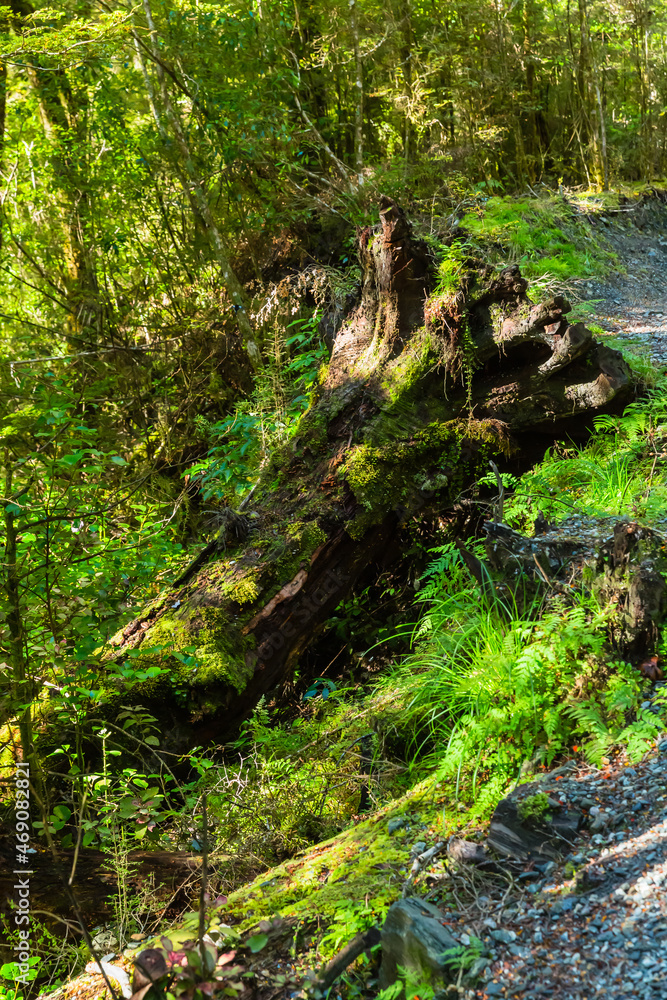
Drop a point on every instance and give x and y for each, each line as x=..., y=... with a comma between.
x=621, y=471
x=492, y=676
x=497, y=678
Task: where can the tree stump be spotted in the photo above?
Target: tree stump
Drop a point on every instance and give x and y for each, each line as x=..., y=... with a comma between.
x=420, y=392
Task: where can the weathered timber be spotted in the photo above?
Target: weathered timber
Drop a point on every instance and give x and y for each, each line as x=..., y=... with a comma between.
x=174, y=876
x=621, y=561
x=420, y=392
x=521, y=839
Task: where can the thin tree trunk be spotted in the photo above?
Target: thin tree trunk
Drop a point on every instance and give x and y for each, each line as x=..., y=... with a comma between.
x=3, y=121
x=22, y=690
x=602, y=133
x=358, y=94
x=529, y=64
x=194, y=189
x=407, y=44
x=63, y=110
x=642, y=63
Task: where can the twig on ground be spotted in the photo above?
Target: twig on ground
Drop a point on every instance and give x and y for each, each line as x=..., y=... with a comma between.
x=420, y=862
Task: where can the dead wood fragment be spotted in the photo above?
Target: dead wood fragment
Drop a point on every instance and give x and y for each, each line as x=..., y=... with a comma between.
x=467, y=852
x=345, y=957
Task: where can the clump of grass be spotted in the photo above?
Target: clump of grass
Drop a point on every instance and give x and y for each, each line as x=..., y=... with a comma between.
x=546, y=237
x=497, y=678
x=622, y=470
x=635, y=354
x=495, y=681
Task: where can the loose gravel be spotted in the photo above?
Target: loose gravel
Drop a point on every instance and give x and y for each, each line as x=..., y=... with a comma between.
x=632, y=306
x=597, y=926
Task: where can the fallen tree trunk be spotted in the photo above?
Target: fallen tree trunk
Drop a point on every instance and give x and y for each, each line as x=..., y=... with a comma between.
x=419, y=394
x=173, y=877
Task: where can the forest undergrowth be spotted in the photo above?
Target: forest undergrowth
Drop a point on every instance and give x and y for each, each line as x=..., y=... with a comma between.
x=481, y=686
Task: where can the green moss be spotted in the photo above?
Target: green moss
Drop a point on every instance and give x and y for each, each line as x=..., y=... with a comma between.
x=243, y=590
x=534, y=808
x=311, y=433
x=384, y=478
x=305, y=536
x=221, y=654
x=405, y=376
x=364, y=862
x=546, y=237
x=169, y=632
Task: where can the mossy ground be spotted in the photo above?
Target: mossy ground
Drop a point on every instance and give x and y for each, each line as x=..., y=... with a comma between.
x=365, y=862
x=548, y=237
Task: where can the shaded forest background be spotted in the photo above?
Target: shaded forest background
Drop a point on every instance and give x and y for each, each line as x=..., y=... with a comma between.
x=163, y=147
x=183, y=187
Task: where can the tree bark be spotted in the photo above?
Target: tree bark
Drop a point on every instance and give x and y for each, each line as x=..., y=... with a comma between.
x=63, y=108
x=406, y=50
x=419, y=394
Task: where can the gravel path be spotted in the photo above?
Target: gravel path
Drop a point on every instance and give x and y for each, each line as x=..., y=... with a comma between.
x=597, y=926
x=633, y=306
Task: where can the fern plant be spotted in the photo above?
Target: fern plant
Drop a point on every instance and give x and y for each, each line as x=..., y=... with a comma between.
x=494, y=681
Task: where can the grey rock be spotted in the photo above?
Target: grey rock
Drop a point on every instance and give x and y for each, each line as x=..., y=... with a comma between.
x=396, y=824
x=601, y=821
x=503, y=936
x=414, y=938
x=477, y=968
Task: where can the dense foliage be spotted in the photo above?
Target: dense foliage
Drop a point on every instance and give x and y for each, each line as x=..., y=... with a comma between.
x=182, y=187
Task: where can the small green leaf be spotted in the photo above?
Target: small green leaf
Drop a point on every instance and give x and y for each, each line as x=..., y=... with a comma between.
x=257, y=942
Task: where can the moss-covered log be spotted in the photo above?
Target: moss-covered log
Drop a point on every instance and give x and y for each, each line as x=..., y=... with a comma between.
x=419, y=394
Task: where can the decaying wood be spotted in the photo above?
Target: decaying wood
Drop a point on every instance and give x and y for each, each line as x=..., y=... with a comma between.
x=94, y=884
x=420, y=862
x=468, y=852
x=420, y=393
x=345, y=957
x=621, y=561
x=630, y=571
